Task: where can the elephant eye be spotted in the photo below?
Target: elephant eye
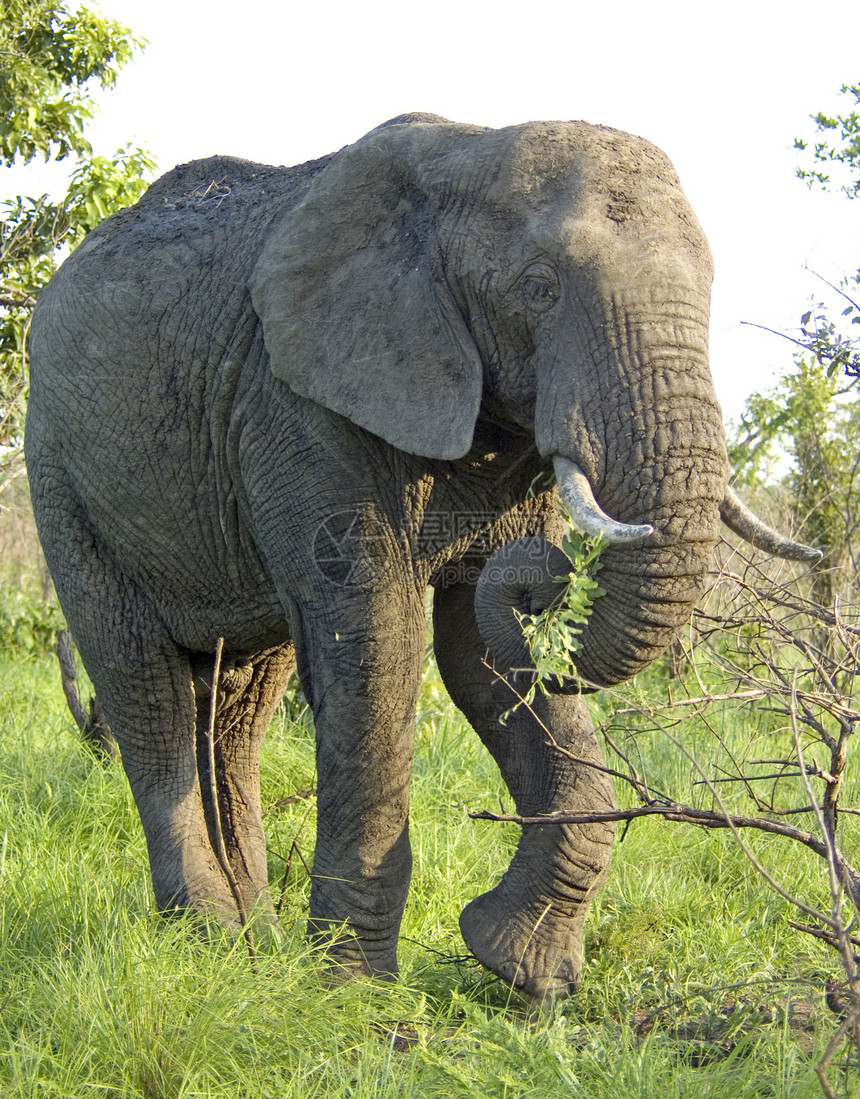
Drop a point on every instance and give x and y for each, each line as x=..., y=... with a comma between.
x=539, y=288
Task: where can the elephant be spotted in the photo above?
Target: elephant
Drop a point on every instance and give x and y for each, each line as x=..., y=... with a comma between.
x=271, y=406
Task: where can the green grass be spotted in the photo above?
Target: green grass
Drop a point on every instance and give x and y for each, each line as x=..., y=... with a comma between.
x=101, y=997
x=694, y=983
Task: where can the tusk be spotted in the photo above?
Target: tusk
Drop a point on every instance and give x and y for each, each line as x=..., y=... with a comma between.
x=585, y=513
x=739, y=519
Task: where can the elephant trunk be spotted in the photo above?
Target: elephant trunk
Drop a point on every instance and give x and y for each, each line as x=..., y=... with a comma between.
x=647, y=433
x=635, y=432
x=636, y=439
x=647, y=600
x=649, y=593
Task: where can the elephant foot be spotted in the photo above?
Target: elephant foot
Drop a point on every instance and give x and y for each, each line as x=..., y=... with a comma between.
x=349, y=956
x=209, y=901
x=261, y=927
x=207, y=918
x=536, y=951
x=213, y=922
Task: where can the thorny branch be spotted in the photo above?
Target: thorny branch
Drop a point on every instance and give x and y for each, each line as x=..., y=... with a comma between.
x=762, y=650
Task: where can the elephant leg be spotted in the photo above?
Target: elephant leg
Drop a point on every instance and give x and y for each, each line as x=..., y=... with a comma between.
x=528, y=929
x=248, y=693
x=144, y=684
x=362, y=657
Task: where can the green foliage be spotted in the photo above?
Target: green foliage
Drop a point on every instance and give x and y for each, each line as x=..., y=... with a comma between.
x=845, y=152
x=30, y=615
x=812, y=417
x=829, y=342
x=808, y=415
x=820, y=336
x=87, y=969
x=50, y=59
x=553, y=636
x=29, y=623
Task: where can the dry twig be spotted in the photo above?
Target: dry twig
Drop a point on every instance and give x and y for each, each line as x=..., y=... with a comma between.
x=763, y=647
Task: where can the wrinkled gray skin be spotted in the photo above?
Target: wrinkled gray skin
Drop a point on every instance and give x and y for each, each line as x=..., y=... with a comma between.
x=274, y=404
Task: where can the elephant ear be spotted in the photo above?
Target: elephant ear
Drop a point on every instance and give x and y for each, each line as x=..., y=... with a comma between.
x=356, y=311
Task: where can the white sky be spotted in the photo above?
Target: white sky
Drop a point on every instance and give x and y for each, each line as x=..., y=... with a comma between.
x=723, y=89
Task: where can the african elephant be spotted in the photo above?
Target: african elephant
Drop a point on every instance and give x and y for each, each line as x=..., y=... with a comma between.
x=272, y=405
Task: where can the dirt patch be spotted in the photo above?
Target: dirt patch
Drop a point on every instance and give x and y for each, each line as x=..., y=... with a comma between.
x=705, y=1039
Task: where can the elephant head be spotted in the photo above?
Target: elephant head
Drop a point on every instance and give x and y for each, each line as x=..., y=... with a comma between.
x=551, y=274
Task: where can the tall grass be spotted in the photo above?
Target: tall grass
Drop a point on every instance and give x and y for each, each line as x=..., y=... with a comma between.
x=694, y=983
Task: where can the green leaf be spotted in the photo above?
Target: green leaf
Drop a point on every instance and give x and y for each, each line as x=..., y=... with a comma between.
x=553, y=637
